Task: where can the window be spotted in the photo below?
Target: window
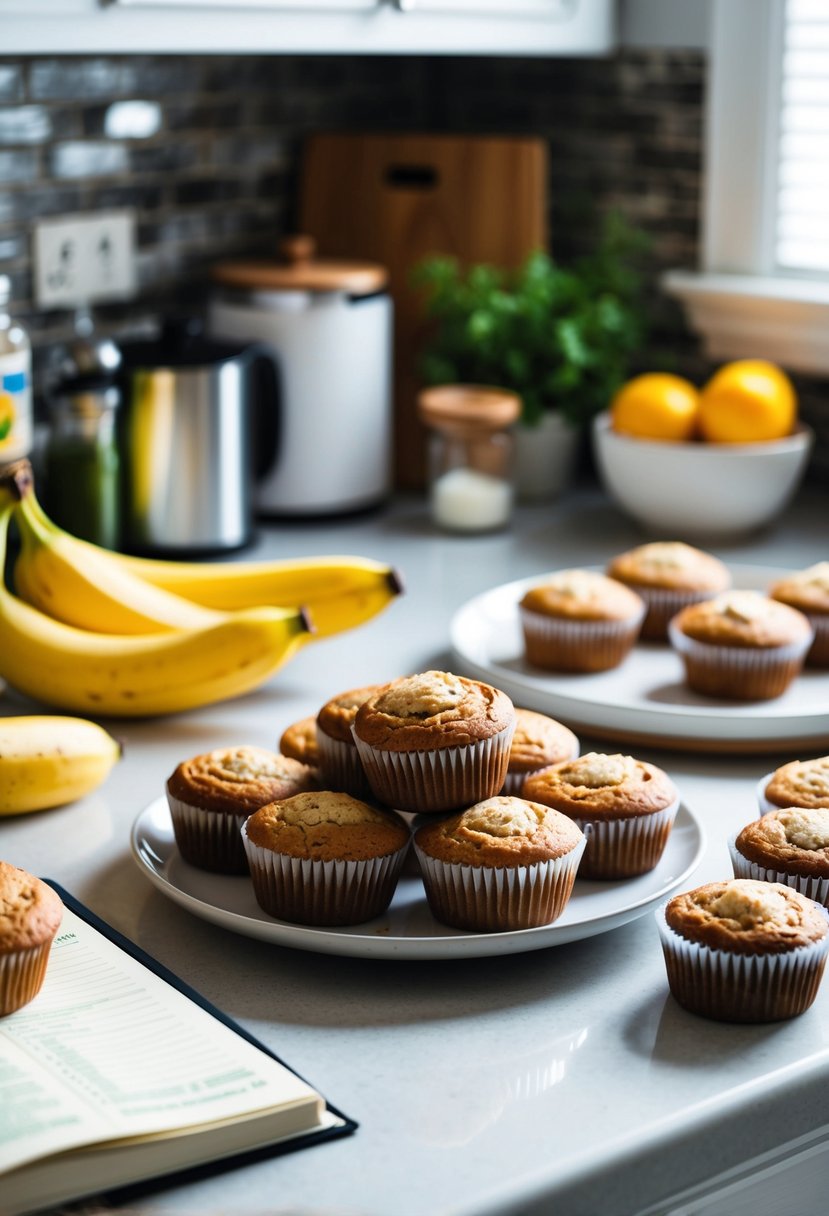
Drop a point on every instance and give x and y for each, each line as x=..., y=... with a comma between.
x=764, y=279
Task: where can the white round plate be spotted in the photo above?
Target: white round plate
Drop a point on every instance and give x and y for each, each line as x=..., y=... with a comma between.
x=407, y=929
x=645, y=699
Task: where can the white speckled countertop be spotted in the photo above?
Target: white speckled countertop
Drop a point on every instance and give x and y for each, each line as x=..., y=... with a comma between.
x=564, y=1079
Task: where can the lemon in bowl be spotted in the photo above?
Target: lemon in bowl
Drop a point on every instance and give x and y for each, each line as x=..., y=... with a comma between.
x=748, y=401
x=656, y=405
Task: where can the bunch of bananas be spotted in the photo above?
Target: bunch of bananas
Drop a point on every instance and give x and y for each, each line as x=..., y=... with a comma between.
x=97, y=632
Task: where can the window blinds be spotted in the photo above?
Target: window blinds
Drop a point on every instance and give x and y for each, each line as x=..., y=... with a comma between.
x=802, y=213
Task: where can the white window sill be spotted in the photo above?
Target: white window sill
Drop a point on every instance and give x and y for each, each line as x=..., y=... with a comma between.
x=754, y=316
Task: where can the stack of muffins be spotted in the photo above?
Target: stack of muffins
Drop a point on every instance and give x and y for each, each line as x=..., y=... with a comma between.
x=737, y=644
x=499, y=808
x=753, y=948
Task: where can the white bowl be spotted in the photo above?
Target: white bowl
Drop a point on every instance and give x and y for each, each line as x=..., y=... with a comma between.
x=700, y=489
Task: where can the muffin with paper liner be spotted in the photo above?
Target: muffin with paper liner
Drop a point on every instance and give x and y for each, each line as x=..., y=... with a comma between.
x=741, y=645
x=668, y=575
x=538, y=742
x=744, y=951
x=579, y=621
x=503, y=864
x=30, y=916
x=435, y=741
x=299, y=742
x=625, y=806
x=342, y=768
x=808, y=592
x=324, y=858
x=798, y=783
x=788, y=845
x=211, y=795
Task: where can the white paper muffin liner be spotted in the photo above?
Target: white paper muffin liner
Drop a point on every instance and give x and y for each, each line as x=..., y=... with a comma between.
x=486, y=899
x=661, y=604
x=342, y=768
x=209, y=840
x=812, y=887
x=22, y=973
x=566, y=645
x=623, y=848
x=309, y=892
x=739, y=672
x=741, y=987
x=444, y=779
x=762, y=801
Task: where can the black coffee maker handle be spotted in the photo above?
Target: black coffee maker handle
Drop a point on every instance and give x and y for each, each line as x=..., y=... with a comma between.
x=266, y=409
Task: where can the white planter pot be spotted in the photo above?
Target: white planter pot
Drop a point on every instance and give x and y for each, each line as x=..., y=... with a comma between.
x=545, y=458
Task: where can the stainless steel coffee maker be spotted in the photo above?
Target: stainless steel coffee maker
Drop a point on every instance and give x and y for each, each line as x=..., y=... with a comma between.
x=186, y=440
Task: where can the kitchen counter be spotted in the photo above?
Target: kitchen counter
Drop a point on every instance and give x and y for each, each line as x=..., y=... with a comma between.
x=563, y=1079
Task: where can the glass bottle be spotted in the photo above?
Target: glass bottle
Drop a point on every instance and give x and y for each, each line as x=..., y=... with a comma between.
x=470, y=455
x=15, y=382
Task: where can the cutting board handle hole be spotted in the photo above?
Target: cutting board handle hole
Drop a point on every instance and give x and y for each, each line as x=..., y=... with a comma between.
x=412, y=177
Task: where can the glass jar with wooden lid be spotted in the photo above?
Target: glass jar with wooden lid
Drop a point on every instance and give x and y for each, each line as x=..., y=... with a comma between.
x=470, y=454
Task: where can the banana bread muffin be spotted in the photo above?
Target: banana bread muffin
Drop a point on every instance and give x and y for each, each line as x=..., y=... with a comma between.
x=744, y=951
x=435, y=741
x=626, y=807
x=502, y=864
x=340, y=761
x=808, y=591
x=211, y=795
x=578, y=620
x=789, y=845
x=741, y=645
x=30, y=916
x=668, y=575
x=324, y=858
x=299, y=742
x=538, y=742
x=798, y=783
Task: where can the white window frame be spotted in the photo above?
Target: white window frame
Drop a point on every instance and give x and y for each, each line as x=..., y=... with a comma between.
x=736, y=301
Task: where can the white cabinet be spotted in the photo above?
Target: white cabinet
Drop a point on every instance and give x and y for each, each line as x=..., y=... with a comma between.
x=474, y=27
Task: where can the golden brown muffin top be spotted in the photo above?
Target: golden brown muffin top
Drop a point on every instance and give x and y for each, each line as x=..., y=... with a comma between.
x=500, y=831
x=539, y=741
x=299, y=742
x=807, y=590
x=327, y=826
x=670, y=565
x=800, y=783
x=237, y=780
x=432, y=710
x=794, y=839
x=583, y=595
x=741, y=916
x=745, y=619
x=598, y=785
x=30, y=911
x=337, y=715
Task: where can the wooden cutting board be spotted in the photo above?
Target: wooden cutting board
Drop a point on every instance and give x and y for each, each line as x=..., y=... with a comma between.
x=396, y=199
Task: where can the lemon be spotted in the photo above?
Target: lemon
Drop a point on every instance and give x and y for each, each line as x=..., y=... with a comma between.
x=656, y=405
x=746, y=402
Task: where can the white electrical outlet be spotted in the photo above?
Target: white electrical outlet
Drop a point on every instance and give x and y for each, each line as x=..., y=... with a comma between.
x=85, y=259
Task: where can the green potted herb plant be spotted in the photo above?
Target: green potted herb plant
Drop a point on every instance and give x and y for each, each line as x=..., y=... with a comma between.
x=561, y=337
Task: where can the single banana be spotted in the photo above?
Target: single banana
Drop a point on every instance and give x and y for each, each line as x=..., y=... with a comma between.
x=340, y=592
x=139, y=676
x=81, y=585
x=47, y=761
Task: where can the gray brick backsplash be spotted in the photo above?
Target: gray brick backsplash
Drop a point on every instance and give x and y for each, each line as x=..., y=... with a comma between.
x=25, y=125
x=79, y=158
x=206, y=150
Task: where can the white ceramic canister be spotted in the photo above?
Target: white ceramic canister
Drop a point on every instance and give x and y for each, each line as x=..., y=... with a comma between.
x=327, y=448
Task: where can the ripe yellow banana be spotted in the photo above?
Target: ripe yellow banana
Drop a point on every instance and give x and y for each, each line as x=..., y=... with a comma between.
x=47, y=761
x=340, y=592
x=139, y=676
x=81, y=585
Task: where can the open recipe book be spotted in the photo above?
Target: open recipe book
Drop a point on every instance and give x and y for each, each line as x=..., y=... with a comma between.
x=117, y=1073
